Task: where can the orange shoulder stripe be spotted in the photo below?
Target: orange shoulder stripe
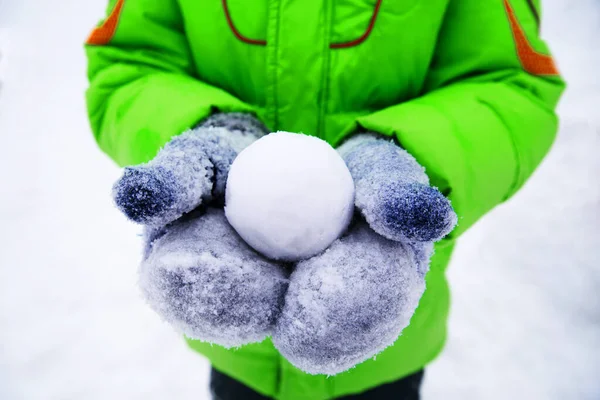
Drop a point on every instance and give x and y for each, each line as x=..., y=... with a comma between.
x=532, y=61
x=104, y=33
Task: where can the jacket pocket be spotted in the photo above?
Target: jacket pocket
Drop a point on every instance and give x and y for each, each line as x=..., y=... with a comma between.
x=355, y=20
x=247, y=20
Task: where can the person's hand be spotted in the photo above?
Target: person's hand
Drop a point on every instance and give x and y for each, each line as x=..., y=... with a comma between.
x=188, y=171
x=349, y=303
x=203, y=279
x=197, y=273
x=393, y=192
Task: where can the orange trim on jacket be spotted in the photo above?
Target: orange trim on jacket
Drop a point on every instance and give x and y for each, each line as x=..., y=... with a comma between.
x=532, y=61
x=104, y=33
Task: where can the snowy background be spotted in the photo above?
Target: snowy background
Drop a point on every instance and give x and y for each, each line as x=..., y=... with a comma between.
x=526, y=310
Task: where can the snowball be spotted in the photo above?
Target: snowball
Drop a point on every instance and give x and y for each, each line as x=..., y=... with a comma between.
x=289, y=196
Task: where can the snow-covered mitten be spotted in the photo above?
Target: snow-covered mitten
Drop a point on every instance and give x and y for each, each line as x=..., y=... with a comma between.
x=352, y=301
x=197, y=273
x=393, y=191
x=203, y=279
x=189, y=170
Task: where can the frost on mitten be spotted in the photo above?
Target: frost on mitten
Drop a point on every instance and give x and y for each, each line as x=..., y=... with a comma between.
x=203, y=279
x=351, y=302
x=393, y=191
x=197, y=273
x=188, y=171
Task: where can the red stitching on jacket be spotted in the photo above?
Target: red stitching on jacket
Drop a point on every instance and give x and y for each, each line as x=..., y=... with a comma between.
x=364, y=36
x=236, y=32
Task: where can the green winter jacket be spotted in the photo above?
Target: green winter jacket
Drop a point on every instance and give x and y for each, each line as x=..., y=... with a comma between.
x=466, y=86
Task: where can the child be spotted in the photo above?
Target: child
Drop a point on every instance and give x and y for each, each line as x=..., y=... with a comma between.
x=465, y=86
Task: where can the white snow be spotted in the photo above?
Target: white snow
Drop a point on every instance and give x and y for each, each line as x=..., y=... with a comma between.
x=525, y=322
x=289, y=195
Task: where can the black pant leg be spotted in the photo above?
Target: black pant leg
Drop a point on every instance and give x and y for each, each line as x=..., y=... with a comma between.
x=407, y=388
x=223, y=387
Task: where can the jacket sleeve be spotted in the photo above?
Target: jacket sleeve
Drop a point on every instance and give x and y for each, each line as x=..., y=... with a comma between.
x=143, y=89
x=486, y=118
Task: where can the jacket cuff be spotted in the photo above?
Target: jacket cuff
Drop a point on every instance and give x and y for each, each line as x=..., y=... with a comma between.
x=235, y=122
